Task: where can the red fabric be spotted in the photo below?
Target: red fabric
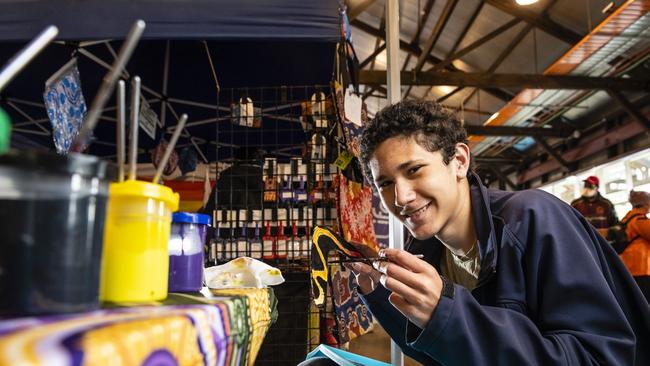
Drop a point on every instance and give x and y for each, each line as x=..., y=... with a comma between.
x=355, y=209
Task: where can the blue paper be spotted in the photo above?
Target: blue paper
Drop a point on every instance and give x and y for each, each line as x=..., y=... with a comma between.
x=343, y=358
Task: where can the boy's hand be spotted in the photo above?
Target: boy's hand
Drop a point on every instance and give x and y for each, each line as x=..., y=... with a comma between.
x=415, y=284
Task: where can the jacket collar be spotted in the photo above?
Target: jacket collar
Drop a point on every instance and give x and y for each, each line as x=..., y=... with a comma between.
x=484, y=226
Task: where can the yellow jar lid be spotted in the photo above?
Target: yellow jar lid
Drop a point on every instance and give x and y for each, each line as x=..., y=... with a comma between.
x=138, y=188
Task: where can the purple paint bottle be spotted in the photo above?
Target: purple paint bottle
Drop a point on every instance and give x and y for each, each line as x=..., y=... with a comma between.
x=186, y=251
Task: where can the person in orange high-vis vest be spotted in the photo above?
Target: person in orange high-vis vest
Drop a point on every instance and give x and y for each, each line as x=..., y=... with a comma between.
x=637, y=254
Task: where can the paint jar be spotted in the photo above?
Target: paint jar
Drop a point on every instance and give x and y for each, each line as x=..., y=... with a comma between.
x=135, y=263
x=52, y=213
x=186, y=244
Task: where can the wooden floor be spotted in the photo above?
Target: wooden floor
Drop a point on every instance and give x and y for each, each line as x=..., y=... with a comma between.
x=376, y=345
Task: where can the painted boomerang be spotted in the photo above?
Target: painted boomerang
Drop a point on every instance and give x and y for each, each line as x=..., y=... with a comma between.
x=323, y=241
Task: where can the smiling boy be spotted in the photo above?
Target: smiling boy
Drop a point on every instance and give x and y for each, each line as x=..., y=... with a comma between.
x=508, y=278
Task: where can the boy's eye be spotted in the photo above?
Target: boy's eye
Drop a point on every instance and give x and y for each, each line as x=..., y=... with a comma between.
x=414, y=169
x=384, y=184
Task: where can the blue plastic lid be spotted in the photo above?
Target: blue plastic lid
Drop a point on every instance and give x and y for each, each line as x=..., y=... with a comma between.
x=191, y=218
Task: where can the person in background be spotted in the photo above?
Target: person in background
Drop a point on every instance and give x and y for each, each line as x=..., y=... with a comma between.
x=241, y=185
x=507, y=278
x=637, y=254
x=598, y=210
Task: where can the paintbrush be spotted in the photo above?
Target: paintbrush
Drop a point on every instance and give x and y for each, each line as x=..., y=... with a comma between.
x=369, y=260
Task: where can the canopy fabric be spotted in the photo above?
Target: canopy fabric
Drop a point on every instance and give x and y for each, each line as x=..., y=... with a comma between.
x=310, y=20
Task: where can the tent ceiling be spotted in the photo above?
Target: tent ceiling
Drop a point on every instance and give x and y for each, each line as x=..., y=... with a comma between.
x=314, y=20
x=494, y=36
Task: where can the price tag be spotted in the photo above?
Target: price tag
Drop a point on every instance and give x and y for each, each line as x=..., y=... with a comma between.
x=344, y=159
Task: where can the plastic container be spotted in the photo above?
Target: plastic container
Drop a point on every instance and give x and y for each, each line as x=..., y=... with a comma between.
x=52, y=213
x=138, y=223
x=5, y=132
x=186, y=251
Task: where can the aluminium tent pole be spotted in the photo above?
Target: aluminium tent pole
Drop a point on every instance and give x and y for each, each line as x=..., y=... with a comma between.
x=108, y=83
x=395, y=228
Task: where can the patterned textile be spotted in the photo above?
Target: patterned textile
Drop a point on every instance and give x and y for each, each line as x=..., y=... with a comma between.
x=188, y=330
x=379, y=221
x=355, y=208
x=352, y=316
x=329, y=330
x=66, y=107
x=351, y=131
x=313, y=325
x=259, y=316
x=158, y=153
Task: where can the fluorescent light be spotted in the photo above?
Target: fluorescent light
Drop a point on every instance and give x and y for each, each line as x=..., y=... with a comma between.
x=492, y=117
x=526, y=2
x=446, y=89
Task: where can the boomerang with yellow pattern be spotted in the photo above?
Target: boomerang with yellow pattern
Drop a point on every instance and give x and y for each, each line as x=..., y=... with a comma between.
x=323, y=241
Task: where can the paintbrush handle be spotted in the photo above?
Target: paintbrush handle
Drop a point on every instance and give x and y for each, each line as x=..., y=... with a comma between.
x=108, y=83
x=121, y=127
x=19, y=61
x=170, y=147
x=372, y=259
x=133, y=139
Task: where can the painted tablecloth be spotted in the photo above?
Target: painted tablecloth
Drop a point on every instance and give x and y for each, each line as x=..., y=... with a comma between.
x=226, y=328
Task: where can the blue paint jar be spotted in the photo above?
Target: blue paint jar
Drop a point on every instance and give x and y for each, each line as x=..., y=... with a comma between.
x=186, y=251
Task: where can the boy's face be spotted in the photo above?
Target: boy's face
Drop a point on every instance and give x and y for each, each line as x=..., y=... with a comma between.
x=417, y=186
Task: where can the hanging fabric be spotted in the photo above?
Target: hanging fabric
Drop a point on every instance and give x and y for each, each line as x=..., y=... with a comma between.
x=352, y=316
x=352, y=106
x=157, y=155
x=379, y=221
x=187, y=160
x=65, y=104
x=348, y=105
x=354, y=205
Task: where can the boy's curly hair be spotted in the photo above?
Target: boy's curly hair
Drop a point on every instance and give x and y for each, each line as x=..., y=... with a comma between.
x=431, y=125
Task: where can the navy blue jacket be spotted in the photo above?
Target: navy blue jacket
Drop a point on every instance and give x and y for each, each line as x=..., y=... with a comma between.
x=551, y=291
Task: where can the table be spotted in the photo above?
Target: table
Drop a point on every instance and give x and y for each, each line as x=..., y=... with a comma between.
x=225, y=327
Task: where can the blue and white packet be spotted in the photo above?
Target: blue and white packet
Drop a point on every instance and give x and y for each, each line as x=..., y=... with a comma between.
x=66, y=106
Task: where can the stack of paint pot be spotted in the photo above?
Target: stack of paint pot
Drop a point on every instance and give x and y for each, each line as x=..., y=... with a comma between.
x=52, y=213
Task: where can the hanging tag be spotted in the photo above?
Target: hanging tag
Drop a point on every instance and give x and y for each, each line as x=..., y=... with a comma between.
x=344, y=159
x=352, y=107
x=148, y=119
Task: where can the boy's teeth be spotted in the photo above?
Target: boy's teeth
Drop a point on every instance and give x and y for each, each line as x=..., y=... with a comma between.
x=418, y=211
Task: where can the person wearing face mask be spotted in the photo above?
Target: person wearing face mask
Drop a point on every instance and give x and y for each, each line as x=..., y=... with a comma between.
x=598, y=210
x=507, y=278
x=636, y=255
